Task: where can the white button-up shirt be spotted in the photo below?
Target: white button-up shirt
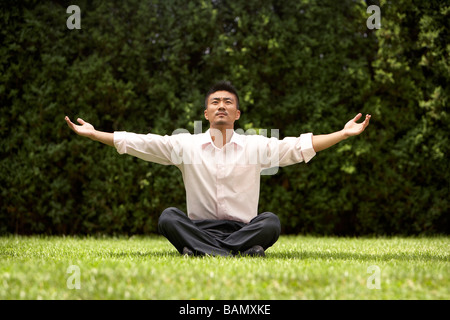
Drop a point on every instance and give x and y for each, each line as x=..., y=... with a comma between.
x=221, y=183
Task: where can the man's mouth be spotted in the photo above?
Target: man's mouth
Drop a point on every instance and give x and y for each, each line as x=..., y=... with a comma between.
x=221, y=114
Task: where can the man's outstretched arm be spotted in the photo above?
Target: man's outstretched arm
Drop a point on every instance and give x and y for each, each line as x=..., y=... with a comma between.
x=88, y=130
x=352, y=128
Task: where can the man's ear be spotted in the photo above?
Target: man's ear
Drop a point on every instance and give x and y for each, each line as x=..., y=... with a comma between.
x=238, y=114
x=206, y=114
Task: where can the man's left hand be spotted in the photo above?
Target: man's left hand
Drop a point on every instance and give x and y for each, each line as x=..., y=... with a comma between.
x=352, y=128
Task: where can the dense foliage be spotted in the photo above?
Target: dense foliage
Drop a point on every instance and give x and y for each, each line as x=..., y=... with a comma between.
x=299, y=66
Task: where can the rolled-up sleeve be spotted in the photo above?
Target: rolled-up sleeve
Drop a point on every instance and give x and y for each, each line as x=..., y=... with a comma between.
x=295, y=149
x=306, y=147
x=120, y=142
x=148, y=147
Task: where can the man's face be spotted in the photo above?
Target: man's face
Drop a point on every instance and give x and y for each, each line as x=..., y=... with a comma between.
x=222, y=109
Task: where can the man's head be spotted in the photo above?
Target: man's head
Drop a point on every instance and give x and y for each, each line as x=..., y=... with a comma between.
x=222, y=105
x=222, y=86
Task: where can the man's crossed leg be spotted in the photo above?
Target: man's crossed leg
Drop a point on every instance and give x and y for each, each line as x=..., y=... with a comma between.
x=219, y=237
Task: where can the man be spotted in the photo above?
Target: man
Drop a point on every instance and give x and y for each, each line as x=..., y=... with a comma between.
x=221, y=172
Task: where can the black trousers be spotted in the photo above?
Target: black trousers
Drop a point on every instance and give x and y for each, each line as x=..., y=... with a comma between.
x=218, y=237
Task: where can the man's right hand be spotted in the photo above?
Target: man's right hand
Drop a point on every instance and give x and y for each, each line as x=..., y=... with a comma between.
x=87, y=130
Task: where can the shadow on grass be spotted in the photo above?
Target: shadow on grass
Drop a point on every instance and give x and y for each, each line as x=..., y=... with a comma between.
x=149, y=254
x=157, y=254
x=302, y=255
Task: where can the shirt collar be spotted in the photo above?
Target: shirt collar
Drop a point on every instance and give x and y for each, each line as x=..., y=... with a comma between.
x=235, y=138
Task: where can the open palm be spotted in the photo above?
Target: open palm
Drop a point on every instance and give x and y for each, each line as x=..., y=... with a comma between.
x=352, y=128
x=86, y=129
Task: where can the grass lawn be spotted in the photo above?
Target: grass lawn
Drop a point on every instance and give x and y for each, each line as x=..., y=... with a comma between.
x=296, y=267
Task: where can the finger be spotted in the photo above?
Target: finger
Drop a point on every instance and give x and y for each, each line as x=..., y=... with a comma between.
x=69, y=123
x=366, y=121
x=357, y=117
x=81, y=121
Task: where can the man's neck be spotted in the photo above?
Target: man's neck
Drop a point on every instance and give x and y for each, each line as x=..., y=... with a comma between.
x=221, y=135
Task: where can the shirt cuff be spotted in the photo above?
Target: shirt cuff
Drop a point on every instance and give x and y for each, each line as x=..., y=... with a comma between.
x=120, y=142
x=306, y=147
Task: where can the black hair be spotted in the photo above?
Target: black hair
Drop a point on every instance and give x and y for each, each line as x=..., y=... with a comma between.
x=222, y=86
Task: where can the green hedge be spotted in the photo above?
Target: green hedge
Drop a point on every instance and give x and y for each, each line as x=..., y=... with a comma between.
x=300, y=66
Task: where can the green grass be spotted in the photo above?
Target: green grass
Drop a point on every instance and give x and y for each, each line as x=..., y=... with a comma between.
x=300, y=267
